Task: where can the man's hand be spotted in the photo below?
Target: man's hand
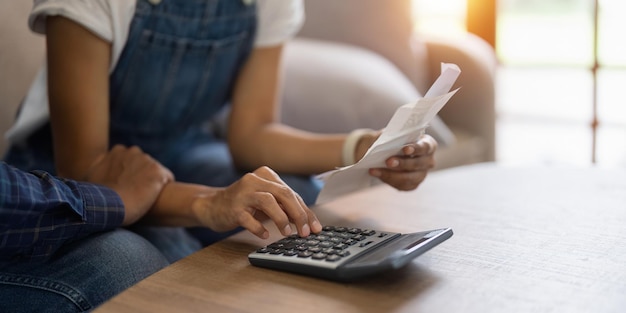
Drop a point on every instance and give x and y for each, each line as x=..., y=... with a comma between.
x=253, y=198
x=134, y=175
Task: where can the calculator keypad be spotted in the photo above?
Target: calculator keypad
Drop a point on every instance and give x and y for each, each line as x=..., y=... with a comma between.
x=332, y=245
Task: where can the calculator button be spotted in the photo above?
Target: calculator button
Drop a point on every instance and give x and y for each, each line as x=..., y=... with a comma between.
x=290, y=252
x=363, y=244
x=333, y=258
x=328, y=233
x=336, y=240
x=312, y=242
x=280, y=245
x=346, y=235
x=314, y=249
x=322, y=237
x=329, y=251
x=368, y=232
x=305, y=254
x=344, y=253
x=359, y=237
x=326, y=244
x=340, y=246
x=318, y=256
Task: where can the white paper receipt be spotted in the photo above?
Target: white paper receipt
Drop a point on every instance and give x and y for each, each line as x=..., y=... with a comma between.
x=406, y=125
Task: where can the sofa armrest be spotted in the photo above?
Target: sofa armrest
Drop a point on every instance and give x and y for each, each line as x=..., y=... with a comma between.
x=472, y=109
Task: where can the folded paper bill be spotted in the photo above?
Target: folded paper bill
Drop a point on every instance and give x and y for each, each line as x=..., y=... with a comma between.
x=406, y=125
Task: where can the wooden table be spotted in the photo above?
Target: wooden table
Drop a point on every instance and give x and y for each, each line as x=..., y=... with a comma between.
x=526, y=240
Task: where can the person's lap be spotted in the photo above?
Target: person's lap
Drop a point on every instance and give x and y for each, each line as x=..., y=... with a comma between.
x=81, y=275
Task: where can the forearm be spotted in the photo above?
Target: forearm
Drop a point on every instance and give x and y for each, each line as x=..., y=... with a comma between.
x=288, y=150
x=40, y=213
x=256, y=138
x=174, y=206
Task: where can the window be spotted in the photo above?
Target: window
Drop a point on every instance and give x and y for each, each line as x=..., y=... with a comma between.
x=563, y=65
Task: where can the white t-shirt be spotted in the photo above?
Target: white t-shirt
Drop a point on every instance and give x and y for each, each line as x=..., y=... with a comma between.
x=278, y=21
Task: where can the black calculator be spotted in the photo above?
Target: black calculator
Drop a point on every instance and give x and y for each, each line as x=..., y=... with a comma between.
x=346, y=253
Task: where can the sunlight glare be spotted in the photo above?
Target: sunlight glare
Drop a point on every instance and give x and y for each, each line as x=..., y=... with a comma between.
x=439, y=17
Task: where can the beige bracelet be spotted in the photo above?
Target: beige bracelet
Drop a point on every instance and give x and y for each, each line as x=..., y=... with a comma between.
x=349, y=145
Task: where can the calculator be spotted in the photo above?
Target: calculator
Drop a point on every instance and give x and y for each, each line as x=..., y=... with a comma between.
x=346, y=253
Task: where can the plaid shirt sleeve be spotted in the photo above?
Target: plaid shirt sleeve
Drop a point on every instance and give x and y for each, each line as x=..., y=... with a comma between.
x=40, y=213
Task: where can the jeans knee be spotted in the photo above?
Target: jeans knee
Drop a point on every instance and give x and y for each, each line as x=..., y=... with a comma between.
x=130, y=254
x=111, y=263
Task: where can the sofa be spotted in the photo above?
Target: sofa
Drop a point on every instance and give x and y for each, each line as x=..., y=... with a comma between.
x=352, y=64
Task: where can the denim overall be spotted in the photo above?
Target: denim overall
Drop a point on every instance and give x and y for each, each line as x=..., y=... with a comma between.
x=175, y=74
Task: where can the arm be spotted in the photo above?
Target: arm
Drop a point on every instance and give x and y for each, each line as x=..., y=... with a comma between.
x=40, y=213
x=258, y=195
x=256, y=137
x=78, y=91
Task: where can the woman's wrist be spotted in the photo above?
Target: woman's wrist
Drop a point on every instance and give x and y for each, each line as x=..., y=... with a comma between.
x=349, y=153
x=365, y=142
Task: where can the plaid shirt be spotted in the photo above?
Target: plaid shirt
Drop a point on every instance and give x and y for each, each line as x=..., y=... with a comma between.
x=40, y=213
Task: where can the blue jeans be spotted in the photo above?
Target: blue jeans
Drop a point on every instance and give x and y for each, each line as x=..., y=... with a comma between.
x=82, y=275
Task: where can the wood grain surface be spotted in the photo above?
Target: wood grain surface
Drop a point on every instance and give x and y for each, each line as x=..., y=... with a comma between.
x=541, y=239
